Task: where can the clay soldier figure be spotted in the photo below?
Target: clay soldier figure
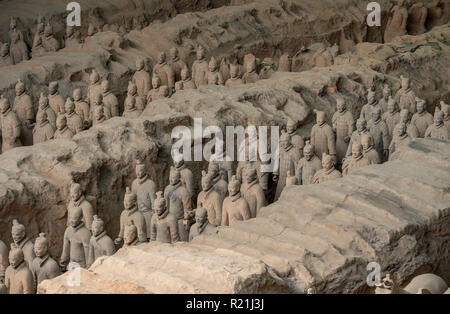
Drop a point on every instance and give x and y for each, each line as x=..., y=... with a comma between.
x=202, y=224
x=11, y=126
x=379, y=131
x=99, y=115
x=396, y=25
x=438, y=129
x=405, y=97
x=130, y=235
x=253, y=193
x=176, y=63
x=285, y=63
x=55, y=100
x=37, y=50
x=164, y=91
x=178, y=86
x=391, y=116
x=132, y=93
x=268, y=68
x=82, y=108
x=435, y=14
x=141, y=79
x=210, y=200
x=39, y=31
x=72, y=39
x=74, y=121
x=44, y=106
x=145, y=190
x=19, y=236
x=383, y=103
x=100, y=243
x=188, y=83
x=3, y=260
x=250, y=76
x=43, y=131
x=357, y=160
x=307, y=166
x=44, y=266
x=368, y=151
x=322, y=137
x=411, y=129
x=234, y=80
x=289, y=157
x=164, y=71
x=130, y=110
x=62, y=131
x=18, y=277
x=220, y=185
x=98, y=102
x=179, y=202
x=366, y=111
x=23, y=107
x=155, y=92
x=49, y=42
x=131, y=213
x=361, y=128
x=76, y=240
x=328, y=172
x=78, y=200
x=187, y=177
x=296, y=140
x=109, y=99
x=446, y=110
x=235, y=207
x=343, y=123
x=421, y=119
x=200, y=68
x=400, y=137
x=18, y=50
x=94, y=87
x=417, y=16
x=213, y=77
x=5, y=57
x=164, y=226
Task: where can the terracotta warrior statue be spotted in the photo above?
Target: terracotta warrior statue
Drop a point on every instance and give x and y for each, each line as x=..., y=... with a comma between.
x=268, y=68
x=391, y=116
x=361, y=128
x=421, y=119
x=44, y=266
x=188, y=83
x=23, y=107
x=74, y=121
x=141, y=78
x=296, y=139
x=179, y=202
x=200, y=68
x=131, y=213
x=343, y=124
x=44, y=106
x=100, y=243
x=21, y=240
x=10, y=126
x=368, y=151
x=252, y=192
x=130, y=235
x=366, y=111
x=396, y=25
x=109, y=100
x=322, y=137
x=400, y=137
x=446, y=110
x=72, y=39
x=435, y=14
x=387, y=93
x=82, y=108
x=18, y=48
x=356, y=160
x=145, y=190
x=37, y=50
x=43, y=131
x=55, y=100
x=213, y=76
x=285, y=63
x=98, y=115
x=130, y=110
x=307, y=166
x=18, y=277
x=98, y=103
x=76, y=240
x=78, y=200
x=210, y=200
x=379, y=131
x=438, y=129
x=3, y=260
x=405, y=97
x=220, y=185
x=176, y=63
x=164, y=226
x=411, y=129
x=156, y=92
x=164, y=71
x=288, y=159
x=48, y=41
x=234, y=79
x=94, y=87
x=62, y=130
x=418, y=14
x=235, y=207
x=187, y=177
x=202, y=224
x=250, y=76
x=328, y=172
x=5, y=57
x=39, y=29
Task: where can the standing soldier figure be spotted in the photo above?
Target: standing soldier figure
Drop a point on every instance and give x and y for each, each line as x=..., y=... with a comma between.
x=44, y=266
x=23, y=107
x=343, y=128
x=11, y=127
